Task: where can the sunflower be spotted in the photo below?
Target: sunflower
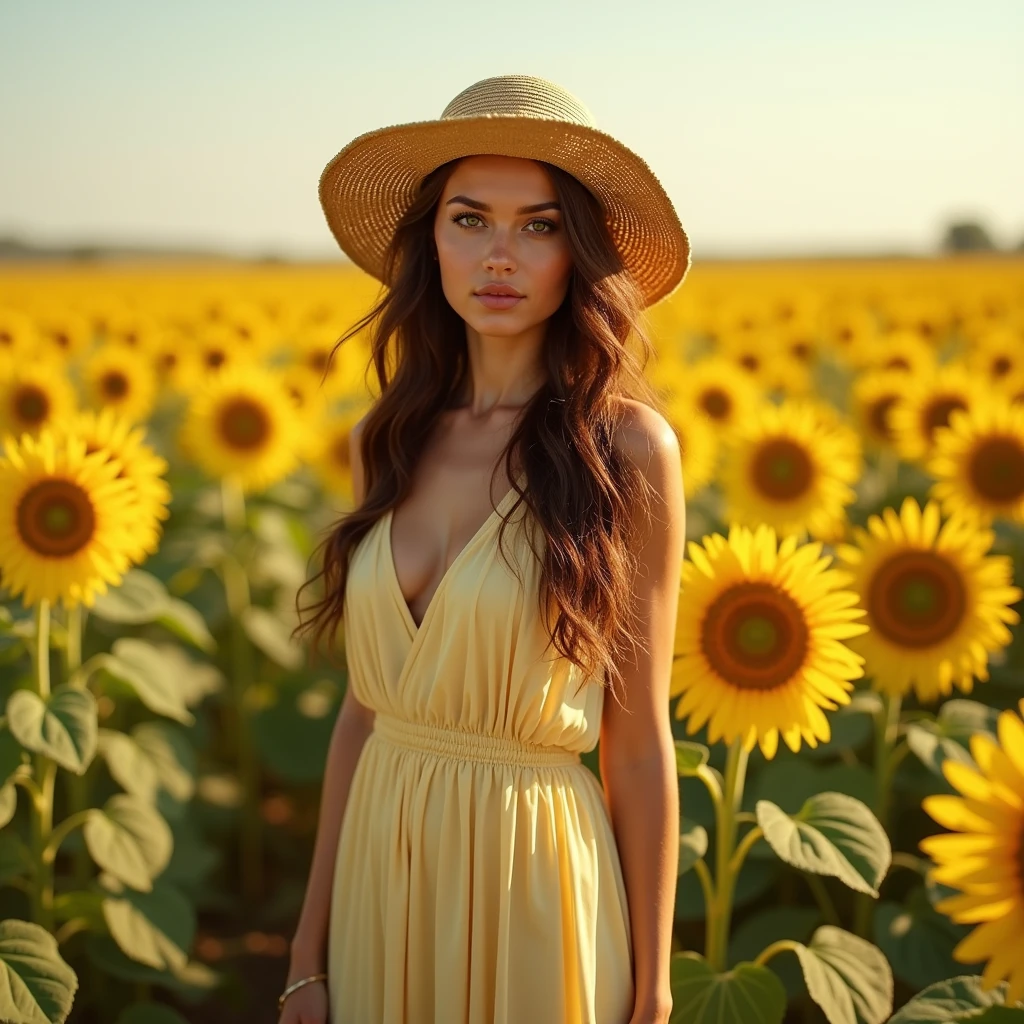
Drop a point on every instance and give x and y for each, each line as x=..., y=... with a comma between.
x=720, y=389
x=122, y=442
x=175, y=361
x=333, y=465
x=1012, y=387
x=121, y=378
x=998, y=353
x=985, y=861
x=241, y=423
x=19, y=335
x=66, y=522
x=903, y=350
x=698, y=444
x=759, y=647
x=937, y=603
x=927, y=402
x=787, y=467
x=66, y=333
x=850, y=330
x=33, y=396
x=978, y=463
x=873, y=395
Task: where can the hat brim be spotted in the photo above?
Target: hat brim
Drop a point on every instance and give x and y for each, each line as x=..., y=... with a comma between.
x=366, y=188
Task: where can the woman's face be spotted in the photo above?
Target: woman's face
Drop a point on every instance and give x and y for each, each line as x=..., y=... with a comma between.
x=498, y=222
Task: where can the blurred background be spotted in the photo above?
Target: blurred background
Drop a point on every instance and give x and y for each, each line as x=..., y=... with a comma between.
x=844, y=366
x=793, y=128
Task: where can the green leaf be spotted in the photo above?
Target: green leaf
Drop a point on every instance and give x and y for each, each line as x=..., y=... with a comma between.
x=37, y=986
x=833, y=834
x=140, y=598
x=756, y=878
x=151, y=1013
x=758, y=931
x=948, y=737
x=63, y=727
x=951, y=1001
x=917, y=940
x=273, y=637
x=181, y=619
x=747, y=993
x=690, y=757
x=128, y=764
x=12, y=754
x=293, y=726
x=693, y=845
x=130, y=839
x=155, y=928
x=142, y=666
x=847, y=977
x=194, y=980
x=8, y=803
x=156, y=755
x=791, y=783
x=997, y=1015
x=15, y=858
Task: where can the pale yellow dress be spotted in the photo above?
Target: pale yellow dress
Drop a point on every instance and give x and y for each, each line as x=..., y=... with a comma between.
x=477, y=877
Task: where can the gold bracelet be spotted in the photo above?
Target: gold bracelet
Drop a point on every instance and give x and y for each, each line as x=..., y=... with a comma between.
x=297, y=984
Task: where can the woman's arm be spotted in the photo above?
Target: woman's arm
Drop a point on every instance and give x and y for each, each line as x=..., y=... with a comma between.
x=637, y=751
x=353, y=725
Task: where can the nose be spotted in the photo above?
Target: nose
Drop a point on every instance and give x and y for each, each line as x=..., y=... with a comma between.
x=499, y=257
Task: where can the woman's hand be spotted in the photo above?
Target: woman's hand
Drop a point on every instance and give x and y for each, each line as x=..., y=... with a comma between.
x=306, y=1005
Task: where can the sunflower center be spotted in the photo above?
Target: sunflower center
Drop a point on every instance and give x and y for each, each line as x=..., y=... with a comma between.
x=31, y=404
x=997, y=469
x=754, y=636
x=896, y=363
x=750, y=362
x=717, y=404
x=61, y=339
x=1001, y=366
x=114, y=384
x=782, y=469
x=245, y=424
x=55, y=518
x=878, y=416
x=936, y=413
x=917, y=599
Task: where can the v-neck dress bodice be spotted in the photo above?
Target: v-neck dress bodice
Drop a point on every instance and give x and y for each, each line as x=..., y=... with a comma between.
x=477, y=877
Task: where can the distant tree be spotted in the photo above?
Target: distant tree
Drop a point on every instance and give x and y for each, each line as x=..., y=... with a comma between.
x=967, y=236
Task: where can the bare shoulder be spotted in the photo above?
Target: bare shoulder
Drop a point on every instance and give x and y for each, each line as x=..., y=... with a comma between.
x=648, y=440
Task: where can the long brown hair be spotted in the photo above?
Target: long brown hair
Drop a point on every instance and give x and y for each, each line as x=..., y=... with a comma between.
x=579, y=489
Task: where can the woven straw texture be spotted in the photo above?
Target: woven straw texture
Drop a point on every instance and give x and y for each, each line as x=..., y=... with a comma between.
x=367, y=186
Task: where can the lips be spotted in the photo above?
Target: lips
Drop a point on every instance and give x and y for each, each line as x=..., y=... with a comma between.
x=499, y=289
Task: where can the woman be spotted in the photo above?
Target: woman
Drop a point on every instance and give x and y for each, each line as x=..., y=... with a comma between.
x=468, y=866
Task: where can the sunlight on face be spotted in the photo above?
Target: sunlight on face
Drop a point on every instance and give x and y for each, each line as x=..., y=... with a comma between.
x=499, y=244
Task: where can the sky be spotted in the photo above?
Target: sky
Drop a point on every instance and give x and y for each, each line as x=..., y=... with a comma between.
x=777, y=127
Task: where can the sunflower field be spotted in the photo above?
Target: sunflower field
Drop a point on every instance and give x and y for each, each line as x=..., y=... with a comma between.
x=848, y=681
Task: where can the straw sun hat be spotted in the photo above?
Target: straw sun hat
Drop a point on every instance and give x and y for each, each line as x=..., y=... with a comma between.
x=366, y=188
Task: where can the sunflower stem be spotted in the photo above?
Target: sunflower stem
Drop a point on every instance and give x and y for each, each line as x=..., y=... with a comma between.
x=236, y=589
x=44, y=770
x=78, y=786
x=726, y=812
x=887, y=725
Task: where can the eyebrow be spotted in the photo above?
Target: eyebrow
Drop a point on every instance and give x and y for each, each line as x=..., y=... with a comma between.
x=536, y=208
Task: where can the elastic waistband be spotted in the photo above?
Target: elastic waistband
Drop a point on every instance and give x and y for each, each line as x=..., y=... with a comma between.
x=459, y=745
